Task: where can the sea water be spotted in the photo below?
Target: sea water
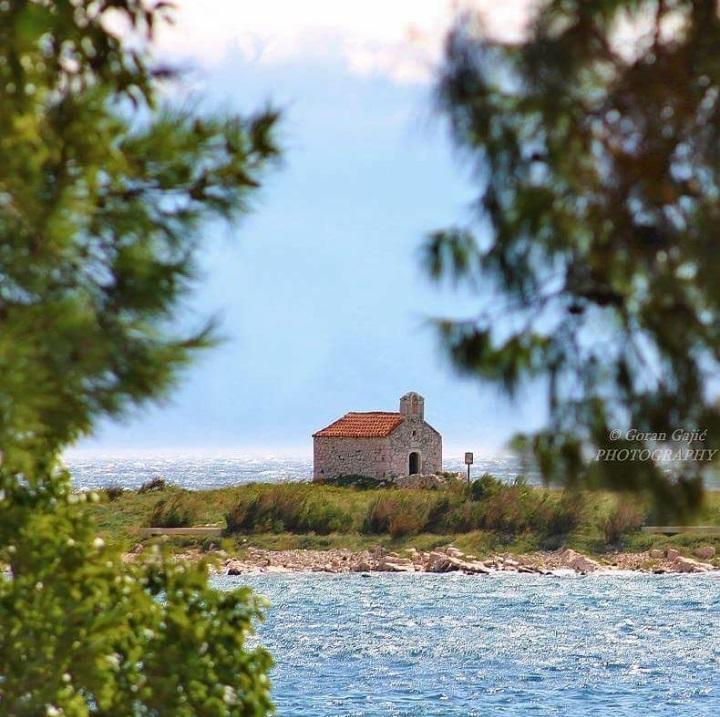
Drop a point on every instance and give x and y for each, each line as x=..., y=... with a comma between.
x=519, y=645
x=197, y=470
x=451, y=645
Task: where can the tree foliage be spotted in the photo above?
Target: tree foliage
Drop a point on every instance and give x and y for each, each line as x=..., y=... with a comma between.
x=104, y=191
x=595, y=141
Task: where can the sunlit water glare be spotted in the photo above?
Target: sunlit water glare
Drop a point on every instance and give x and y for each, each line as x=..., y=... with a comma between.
x=216, y=470
x=446, y=646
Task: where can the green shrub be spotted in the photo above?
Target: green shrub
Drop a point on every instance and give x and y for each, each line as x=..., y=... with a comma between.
x=625, y=518
x=357, y=481
x=323, y=517
x=403, y=513
x=152, y=486
x=461, y=517
x=504, y=512
x=380, y=513
x=295, y=508
x=113, y=492
x=172, y=512
x=485, y=486
x=487, y=504
x=555, y=516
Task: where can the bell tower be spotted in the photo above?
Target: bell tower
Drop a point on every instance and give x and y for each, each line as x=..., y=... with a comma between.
x=412, y=406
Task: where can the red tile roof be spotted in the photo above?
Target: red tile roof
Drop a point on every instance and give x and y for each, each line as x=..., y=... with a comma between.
x=376, y=424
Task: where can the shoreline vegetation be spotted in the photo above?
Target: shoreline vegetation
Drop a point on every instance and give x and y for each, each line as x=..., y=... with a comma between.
x=360, y=525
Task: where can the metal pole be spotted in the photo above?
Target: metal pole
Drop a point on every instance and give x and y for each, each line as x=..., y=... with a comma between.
x=468, y=474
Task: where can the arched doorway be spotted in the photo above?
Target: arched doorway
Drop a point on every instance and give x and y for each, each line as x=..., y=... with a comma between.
x=414, y=463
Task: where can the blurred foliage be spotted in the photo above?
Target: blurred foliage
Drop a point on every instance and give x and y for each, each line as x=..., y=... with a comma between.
x=594, y=243
x=104, y=190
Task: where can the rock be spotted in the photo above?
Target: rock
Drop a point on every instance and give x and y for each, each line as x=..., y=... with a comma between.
x=704, y=552
x=235, y=567
x=362, y=567
x=436, y=562
x=473, y=567
x=440, y=566
x=448, y=564
x=137, y=549
x=688, y=565
x=390, y=560
x=671, y=553
x=510, y=563
x=579, y=562
x=435, y=555
x=454, y=552
x=396, y=567
x=656, y=553
x=420, y=481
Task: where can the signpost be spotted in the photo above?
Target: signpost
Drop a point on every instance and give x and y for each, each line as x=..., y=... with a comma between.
x=468, y=463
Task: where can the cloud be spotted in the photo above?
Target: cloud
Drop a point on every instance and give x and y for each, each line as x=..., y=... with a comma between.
x=401, y=39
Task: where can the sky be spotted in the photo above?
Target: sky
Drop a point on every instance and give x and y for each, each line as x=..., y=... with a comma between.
x=320, y=294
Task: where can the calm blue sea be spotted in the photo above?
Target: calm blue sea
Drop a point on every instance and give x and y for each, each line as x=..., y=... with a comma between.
x=439, y=645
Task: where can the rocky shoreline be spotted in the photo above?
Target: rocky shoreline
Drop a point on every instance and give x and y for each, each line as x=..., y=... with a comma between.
x=450, y=560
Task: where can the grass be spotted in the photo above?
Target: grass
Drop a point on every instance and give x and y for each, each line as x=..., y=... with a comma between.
x=488, y=517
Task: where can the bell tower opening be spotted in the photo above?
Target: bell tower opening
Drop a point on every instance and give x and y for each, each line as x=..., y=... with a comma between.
x=414, y=463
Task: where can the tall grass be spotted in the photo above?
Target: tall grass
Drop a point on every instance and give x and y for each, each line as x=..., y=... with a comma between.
x=399, y=513
x=173, y=512
x=487, y=513
x=294, y=508
x=321, y=509
x=624, y=519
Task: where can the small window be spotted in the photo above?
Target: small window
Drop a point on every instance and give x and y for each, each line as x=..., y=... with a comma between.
x=414, y=433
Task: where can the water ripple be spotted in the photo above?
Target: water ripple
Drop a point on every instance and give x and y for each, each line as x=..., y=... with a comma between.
x=202, y=470
x=441, y=646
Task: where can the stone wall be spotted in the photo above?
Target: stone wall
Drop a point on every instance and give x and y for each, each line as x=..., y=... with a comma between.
x=379, y=457
x=415, y=436
x=350, y=456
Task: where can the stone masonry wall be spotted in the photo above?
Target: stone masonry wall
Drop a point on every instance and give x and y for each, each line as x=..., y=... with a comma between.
x=415, y=436
x=379, y=457
x=350, y=456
